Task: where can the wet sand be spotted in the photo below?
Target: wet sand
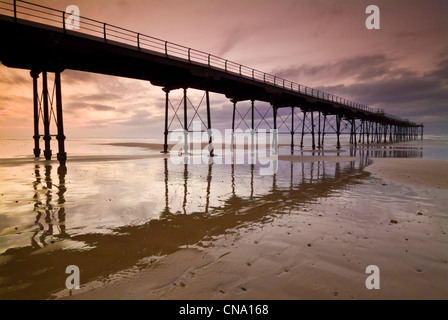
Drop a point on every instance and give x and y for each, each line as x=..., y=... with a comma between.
x=416, y=172
x=140, y=227
x=318, y=252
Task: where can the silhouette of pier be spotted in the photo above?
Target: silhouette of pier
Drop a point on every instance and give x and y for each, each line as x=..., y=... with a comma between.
x=37, y=38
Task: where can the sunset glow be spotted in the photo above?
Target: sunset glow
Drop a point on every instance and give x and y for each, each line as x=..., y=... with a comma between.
x=322, y=44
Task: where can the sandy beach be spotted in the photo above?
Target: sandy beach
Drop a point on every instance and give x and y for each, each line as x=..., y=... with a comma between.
x=319, y=252
x=140, y=227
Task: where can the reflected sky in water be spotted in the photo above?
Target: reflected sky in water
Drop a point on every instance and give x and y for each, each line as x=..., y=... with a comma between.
x=105, y=215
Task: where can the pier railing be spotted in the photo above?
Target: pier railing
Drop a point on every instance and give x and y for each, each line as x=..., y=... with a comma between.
x=27, y=11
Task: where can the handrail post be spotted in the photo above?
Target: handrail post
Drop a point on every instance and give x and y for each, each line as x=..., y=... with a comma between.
x=104, y=30
x=209, y=60
x=253, y=74
x=138, y=41
x=189, y=57
x=225, y=66
x=166, y=48
x=240, y=70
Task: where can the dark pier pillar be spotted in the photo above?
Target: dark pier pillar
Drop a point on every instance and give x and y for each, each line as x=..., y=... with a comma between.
x=361, y=134
x=62, y=155
x=318, y=132
x=323, y=130
x=390, y=133
x=186, y=143
x=351, y=133
x=354, y=130
x=35, y=75
x=292, y=129
x=252, y=133
x=275, y=142
x=233, y=126
x=47, y=136
x=209, y=125
x=312, y=130
x=165, y=133
x=368, y=131
x=376, y=132
x=303, y=129
x=338, y=131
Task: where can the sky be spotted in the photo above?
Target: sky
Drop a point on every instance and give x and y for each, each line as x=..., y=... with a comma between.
x=324, y=44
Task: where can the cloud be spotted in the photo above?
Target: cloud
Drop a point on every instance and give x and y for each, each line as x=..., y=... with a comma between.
x=411, y=95
x=234, y=36
x=74, y=106
x=13, y=77
x=361, y=68
x=99, y=97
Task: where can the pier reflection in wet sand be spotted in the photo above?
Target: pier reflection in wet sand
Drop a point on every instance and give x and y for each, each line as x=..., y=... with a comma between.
x=199, y=202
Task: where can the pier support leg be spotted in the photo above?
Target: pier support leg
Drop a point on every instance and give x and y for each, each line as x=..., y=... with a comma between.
x=62, y=155
x=47, y=136
x=323, y=130
x=35, y=75
x=368, y=131
x=292, y=129
x=165, y=133
x=385, y=132
x=338, y=131
x=186, y=143
x=362, y=131
x=275, y=142
x=312, y=130
x=354, y=131
x=232, y=143
x=252, y=136
x=209, y=125
x=303, y=129
x=318, y=132
x=390, y=133
x=351, y=133
x=376, y=132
